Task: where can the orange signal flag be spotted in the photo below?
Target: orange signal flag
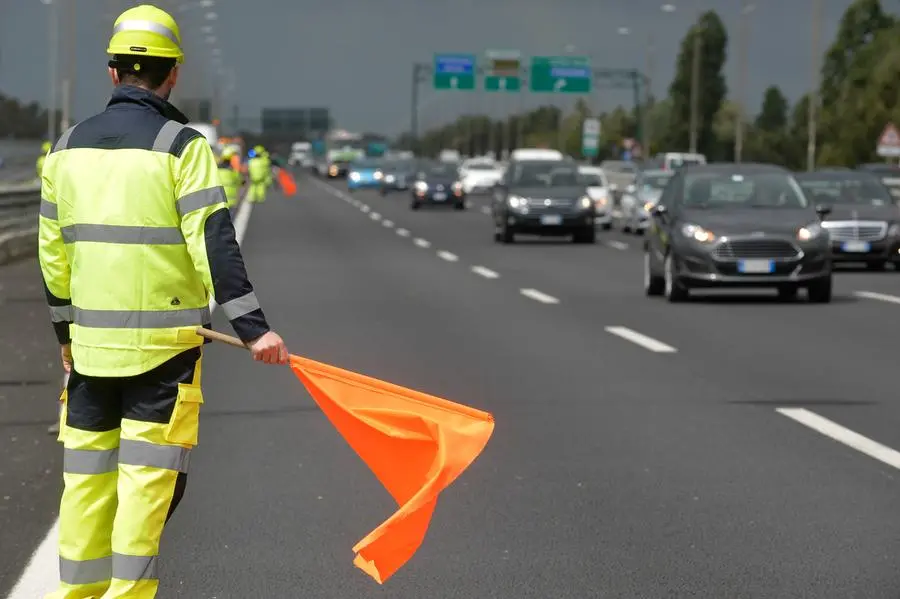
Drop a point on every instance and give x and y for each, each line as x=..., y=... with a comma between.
x=287, y=183
x=415, y=444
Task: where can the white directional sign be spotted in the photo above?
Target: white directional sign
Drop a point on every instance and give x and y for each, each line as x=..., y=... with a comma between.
x=889, y=142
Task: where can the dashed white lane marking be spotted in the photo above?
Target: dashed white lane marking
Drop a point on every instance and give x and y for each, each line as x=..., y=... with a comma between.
x=539, y=296
x=375, y=216
x=41, y=575
x=422, y=243
x=487, y=273
x=387, y=223
x=365, y=208
x=619, y=245
x=862, y=444
x=881, y=297
x=402, y=232
x=485, y=209
x=641, y=339
x=447, y=256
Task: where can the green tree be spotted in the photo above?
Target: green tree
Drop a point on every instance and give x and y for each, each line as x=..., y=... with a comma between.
x=773, y=115
x=712, y=88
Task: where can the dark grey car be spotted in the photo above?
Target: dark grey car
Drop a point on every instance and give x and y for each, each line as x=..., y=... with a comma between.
x=397, y=176
x=546, y=198
x=729, y=225
x=864, y=223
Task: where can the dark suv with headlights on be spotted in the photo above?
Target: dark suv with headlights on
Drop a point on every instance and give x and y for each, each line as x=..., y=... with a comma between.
x=438, y=183
x=864, y=223
x=547, y=198
x=730, y=225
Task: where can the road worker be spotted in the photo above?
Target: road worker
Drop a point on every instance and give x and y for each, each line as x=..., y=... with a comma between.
x=230, y=179
x=259, y=172
x=45, y=147
x=134, y=240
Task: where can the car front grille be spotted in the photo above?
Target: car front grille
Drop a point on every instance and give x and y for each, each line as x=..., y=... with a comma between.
x=550, y=203
x=749, y=249
x=856, y=230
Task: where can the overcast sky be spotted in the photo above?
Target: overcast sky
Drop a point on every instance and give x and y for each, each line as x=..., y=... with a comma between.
x=355, y=56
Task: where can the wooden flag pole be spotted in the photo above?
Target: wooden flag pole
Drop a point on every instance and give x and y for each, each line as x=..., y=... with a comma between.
x=221, y=337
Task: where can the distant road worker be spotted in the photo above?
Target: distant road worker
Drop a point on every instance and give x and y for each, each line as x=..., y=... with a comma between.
x=259, y=172
x=230, y=178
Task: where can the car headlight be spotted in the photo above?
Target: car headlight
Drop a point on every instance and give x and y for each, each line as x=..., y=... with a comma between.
x=698, y=233
x=421, y=186
x=378, y=175
x=601, y=201
x=457, y=187
x=810, y=231
x=894, y=231
x=585, y=203
x=517, y=202
x=354, y=176
x=389, y=179
x=648, y=207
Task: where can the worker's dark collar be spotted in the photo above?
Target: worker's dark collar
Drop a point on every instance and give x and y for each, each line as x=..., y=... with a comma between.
x=132, y=95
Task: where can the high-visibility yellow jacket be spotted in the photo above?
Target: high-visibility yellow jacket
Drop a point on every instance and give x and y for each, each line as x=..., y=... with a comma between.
x=231, y=181
x=259, y=169
x=134, y=239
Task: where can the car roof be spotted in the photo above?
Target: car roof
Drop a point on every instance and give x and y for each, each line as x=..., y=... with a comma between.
x=835, y=173
x=744, y=168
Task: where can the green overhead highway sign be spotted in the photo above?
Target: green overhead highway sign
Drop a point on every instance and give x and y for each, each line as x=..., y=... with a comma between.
x=454, y=71
x=561, y=74
x=503, y=71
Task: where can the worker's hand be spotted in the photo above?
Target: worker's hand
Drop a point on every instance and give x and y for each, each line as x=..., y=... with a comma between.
x=66, y=353
x=270, y=349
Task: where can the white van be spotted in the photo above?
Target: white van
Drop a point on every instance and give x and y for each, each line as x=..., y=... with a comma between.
x=209, y=131
x=671, y=161
x=535, y=154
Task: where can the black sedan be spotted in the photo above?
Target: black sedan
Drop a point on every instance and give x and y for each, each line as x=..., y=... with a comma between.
x=547, y=198
x=397, y=176
x=729, y=225
x=864, y=223
x=438, y=184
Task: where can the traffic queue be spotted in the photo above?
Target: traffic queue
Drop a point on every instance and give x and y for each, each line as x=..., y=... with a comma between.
x=704, y=226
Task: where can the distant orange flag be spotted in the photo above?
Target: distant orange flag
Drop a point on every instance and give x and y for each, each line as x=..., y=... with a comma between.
x=416, y=444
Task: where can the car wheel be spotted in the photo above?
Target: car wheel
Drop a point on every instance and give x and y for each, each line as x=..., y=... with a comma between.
x=819, y=292
x=415, y=205
x=586, y=236
x=654, y=285
x=787, y=293
x=382, y=192
x=507, y=235
x=459, y=206
x=879, y=265
x=606, y=226
x=674, y=290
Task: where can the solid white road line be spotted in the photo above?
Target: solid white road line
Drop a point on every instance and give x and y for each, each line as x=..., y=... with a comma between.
x=641, y=339
x=862, y=444
x=375, y=216
x=387, y=223
x=402, y=232
x=447, y=256
x=422, y=243
x=881, y=297
x=487, y=273
x=41, y=575
x=619, y=245
x=539, y=296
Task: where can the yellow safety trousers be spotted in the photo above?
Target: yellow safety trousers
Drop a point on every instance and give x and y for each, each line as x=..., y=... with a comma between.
x=119, y=485
x=256, y=191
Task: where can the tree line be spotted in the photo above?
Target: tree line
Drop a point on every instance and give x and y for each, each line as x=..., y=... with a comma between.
x=23, y=120
x=858, y=97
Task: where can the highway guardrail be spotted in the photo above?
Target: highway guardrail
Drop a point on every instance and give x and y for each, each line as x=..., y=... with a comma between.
x=19, y=205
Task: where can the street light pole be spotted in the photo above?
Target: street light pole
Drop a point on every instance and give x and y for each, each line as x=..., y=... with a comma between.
x=746, y=9
x=695, y=87
x=69, y=78
x=814, y=92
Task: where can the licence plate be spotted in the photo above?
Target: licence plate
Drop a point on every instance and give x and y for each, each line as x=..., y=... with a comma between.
x=551, y=219
x=756, y=266
x=856, y=246
x=440, y=196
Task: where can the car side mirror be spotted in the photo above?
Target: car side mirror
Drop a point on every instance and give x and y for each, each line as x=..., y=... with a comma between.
x=822, y=210
x=660, y=210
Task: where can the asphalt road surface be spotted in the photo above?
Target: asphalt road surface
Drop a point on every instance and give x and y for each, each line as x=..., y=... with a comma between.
x=733, y=447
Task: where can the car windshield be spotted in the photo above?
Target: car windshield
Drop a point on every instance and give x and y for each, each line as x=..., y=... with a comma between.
x=537, y=175
x=717, y=190
x=679, y=162
x=366, y=164
x=438, y=170
x=593, y=179
x=655, y=182
x=845, y=189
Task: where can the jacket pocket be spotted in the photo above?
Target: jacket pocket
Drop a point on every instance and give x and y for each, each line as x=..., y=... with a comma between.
x=184, y=426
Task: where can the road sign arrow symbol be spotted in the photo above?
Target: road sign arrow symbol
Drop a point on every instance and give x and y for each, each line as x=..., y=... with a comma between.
x=502, y=83
x=454, y=82
x=560, y=83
